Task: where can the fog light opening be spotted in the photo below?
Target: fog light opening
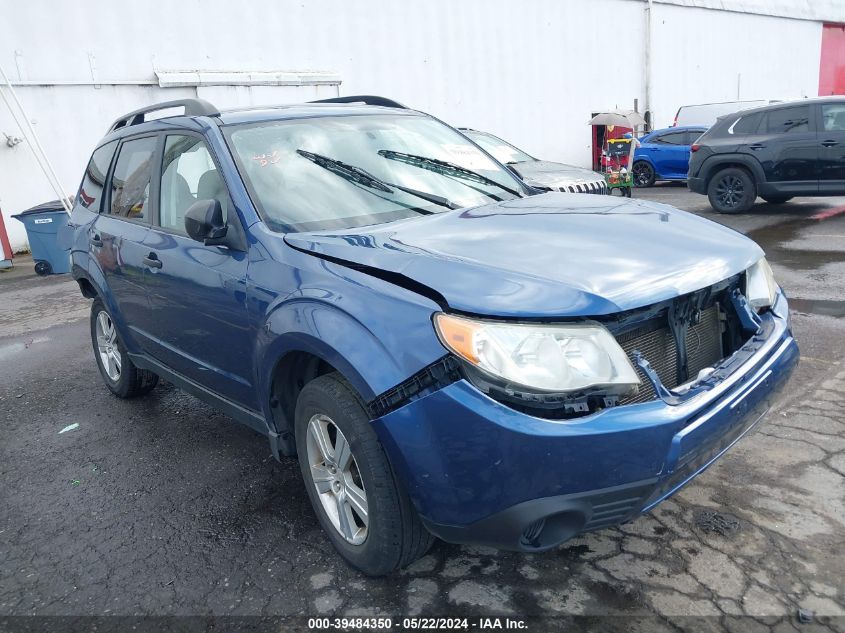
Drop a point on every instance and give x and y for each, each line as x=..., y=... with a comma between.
x=552, y=530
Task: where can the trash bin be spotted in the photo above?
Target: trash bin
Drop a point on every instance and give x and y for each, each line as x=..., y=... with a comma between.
x=42, y=226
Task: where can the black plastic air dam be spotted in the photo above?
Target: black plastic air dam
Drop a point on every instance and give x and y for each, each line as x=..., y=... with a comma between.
x=541, y=524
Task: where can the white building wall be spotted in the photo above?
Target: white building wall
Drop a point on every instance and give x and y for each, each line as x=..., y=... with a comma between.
x=706, y=56
x=530, y=71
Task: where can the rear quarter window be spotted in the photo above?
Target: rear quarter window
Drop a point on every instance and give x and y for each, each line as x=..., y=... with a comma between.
x=747, y=124
x=90, y=194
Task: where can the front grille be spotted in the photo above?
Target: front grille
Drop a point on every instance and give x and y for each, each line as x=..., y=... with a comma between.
x=654, y=340
x=597, y=187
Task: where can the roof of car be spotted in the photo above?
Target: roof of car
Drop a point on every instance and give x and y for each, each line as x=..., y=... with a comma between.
x=678, y=128
x=783, y=104
x=137, y=121
x=304, y=110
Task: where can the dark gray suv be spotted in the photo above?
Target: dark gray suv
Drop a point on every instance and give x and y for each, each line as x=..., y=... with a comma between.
x=775, y=152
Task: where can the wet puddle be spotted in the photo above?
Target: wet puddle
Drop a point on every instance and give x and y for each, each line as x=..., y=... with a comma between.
x=818, y=306
x=773, y=237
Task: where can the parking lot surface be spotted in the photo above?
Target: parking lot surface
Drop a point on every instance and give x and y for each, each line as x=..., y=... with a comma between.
x=163, y=506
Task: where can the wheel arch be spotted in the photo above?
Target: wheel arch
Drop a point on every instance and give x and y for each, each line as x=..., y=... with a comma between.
x=713, y=164
x=304, y=339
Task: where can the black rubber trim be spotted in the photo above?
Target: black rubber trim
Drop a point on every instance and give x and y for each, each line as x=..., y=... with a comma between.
x=531, y=526
x=439, y=374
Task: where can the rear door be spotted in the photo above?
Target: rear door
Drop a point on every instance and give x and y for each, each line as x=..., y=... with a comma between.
x=201, y=327
x=670, y=153
x=831, y=137
x=787, y=147
x=116, y=236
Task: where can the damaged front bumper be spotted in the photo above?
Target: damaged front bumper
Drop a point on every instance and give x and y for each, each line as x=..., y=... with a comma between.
x=481, y=472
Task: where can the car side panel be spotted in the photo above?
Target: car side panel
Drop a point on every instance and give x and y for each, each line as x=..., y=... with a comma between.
x=345, y=317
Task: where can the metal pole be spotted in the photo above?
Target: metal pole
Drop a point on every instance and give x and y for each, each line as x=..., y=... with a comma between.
x=38, y=158
x=647, y=101
x=49, y=172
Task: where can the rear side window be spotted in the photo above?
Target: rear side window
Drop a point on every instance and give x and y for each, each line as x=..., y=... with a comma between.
x=788, y=120
x=694, y=135
x=833, y=117
x=747, y=124
x=188, y=174
x=94, y=181
x=673, y=138
x=130, y=183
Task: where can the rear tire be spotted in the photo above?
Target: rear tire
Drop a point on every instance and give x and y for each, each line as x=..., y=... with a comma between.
x=777, y=199
x=119, y=373
x=362, y=508
x=643, y=174
x=732, y=190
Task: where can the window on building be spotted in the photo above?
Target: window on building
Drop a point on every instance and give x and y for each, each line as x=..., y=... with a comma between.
x=91, y=190
x=188, y=174
x=130, y=183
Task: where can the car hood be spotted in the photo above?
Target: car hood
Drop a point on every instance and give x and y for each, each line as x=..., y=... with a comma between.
x=550, y=255
x=549, y=174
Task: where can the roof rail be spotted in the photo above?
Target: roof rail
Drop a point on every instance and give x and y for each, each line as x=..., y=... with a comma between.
x=193, y=107
x=368, y=99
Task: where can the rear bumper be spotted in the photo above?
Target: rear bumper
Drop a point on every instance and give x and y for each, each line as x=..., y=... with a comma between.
x=697, y=185
x=480, y=472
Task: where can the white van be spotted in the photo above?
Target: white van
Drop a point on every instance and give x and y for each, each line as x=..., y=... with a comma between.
x=706, y=113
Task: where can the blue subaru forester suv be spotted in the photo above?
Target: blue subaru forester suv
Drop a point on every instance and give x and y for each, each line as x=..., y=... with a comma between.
x=447, y=354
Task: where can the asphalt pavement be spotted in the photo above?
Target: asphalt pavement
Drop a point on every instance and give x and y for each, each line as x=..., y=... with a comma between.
x=163, y=506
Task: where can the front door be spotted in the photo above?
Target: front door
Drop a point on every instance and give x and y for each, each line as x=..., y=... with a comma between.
x=200, y=327
x=831, y=138
x=117, y=234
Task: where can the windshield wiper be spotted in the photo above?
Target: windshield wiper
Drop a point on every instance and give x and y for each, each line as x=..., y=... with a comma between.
x=444, y=167
x=360, y=176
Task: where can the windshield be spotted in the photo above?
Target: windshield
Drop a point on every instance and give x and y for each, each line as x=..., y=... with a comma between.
x=347, y=171
x=501, y=150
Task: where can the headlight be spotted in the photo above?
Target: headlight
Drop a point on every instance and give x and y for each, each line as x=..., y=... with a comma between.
x=553, y=358
x=760, y=285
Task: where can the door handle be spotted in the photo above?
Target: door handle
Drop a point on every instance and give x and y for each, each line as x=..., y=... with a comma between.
x=96, y=241
x=756, y=146
x=830, y=143
x=152, y=261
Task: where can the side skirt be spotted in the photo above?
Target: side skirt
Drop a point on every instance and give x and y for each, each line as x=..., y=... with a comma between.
x=248, y=417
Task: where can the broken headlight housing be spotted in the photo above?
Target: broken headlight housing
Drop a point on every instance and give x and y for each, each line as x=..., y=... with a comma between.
x=541, y=358
x=760, y=285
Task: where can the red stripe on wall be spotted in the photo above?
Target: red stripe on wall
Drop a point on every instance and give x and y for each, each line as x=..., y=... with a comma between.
x=832, y=65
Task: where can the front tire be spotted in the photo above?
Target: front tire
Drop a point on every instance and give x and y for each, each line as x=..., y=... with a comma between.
x=777, y=199
x=367, y=516
x=119, y=373
x=732, y=190
x=643, y=174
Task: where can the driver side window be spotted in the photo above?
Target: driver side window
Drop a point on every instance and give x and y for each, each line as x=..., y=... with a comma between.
x=188, y=174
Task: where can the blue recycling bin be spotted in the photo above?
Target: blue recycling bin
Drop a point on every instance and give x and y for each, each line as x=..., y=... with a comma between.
x=42, y=227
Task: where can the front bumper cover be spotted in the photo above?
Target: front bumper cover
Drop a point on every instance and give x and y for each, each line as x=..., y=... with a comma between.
x=480, y=472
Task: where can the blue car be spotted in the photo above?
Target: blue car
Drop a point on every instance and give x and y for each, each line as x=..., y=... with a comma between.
x=664, y=155
x=445, y=355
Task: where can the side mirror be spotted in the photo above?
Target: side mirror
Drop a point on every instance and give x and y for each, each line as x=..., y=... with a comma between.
x=204, y=222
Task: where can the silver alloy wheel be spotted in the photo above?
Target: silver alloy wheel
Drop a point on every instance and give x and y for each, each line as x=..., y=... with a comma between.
x=335, y=475
x=107, y=346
